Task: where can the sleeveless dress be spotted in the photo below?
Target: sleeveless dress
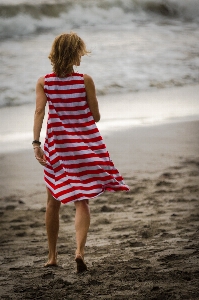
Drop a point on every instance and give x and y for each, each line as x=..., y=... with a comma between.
x=78, y=164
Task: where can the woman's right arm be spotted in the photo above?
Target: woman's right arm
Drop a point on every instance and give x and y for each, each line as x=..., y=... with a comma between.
x=40, y=108
x=91, y=97
x=38, y=119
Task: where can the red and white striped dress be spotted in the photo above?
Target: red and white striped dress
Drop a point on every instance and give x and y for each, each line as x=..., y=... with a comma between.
x=78, y=163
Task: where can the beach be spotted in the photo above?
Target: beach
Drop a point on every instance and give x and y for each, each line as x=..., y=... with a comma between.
x=142, y=244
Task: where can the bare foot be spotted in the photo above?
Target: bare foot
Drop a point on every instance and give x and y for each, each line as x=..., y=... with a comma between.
x=52, y=262
x=49, y=264
x=81, y=266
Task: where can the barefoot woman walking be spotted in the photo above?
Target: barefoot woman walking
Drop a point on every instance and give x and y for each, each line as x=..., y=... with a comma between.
x=77, y=166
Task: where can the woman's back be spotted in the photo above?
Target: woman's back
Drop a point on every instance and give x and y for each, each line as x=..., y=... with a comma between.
x=67, y=101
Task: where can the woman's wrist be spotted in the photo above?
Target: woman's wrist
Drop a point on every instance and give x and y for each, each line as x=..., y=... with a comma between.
x=36, y=143
x=36, y=146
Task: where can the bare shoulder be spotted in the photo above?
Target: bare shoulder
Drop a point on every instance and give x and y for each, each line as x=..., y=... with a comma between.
x=88, y=79
x=40, y=81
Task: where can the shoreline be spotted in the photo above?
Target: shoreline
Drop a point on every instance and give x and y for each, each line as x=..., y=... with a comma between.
x=119, y=113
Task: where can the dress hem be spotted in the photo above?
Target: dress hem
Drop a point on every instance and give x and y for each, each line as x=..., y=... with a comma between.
x=88, y=198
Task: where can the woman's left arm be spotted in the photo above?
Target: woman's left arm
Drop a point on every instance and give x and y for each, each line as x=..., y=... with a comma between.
x=38, y=119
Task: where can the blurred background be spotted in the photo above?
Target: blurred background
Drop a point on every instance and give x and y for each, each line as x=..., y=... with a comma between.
x=136, y=46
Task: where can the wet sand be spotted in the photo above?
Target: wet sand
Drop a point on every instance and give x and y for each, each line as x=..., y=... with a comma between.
x=143, y=244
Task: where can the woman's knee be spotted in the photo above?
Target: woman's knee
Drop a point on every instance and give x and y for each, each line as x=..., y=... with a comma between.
x=82, y=203
x=52, y=202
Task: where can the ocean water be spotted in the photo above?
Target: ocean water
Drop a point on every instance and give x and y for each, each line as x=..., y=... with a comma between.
x=136, y=46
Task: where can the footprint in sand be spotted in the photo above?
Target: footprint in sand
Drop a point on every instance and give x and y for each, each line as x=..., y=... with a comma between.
x=136, y=244
x=10, y=207
x=191, y=188
x=166, y=175
x=171, y=257
x=66, y=218
x=17, y=227
x=102, y=221
x=48, y=275
x=163, y=183
x=36, y=225
x=17, y=220
x=105, y=208
x=21, y=234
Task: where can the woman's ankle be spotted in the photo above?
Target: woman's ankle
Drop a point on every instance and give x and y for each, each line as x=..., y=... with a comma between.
x=79, y=252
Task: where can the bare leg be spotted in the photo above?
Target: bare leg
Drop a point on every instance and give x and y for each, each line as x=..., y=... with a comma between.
x=82, y=223
x=52, y=227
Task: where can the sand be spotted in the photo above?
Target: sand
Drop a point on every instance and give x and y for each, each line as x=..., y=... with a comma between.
x=143, y=244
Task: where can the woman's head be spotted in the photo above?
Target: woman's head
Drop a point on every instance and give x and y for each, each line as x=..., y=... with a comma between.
x=66, y=52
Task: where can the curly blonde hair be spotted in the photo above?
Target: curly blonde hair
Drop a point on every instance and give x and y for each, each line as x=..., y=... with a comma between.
x=66, y=51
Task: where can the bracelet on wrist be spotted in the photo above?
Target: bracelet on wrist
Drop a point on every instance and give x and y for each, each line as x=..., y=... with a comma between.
x=36, y=147
x=36, y=142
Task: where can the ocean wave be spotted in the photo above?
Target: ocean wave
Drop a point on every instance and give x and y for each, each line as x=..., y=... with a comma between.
x=28, y=17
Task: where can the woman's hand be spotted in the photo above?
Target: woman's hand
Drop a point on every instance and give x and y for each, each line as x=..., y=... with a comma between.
x=39, y=155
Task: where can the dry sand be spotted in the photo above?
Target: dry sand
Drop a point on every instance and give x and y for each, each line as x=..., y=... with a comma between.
x=143, y=244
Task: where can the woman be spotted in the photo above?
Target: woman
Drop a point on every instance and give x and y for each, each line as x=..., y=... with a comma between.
x=77, y=166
